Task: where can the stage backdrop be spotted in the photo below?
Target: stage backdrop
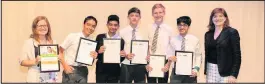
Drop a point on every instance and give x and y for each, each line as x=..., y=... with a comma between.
x=67, y=17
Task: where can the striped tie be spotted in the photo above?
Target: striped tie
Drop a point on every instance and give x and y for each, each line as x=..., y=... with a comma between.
x=153, y=48
x=133, y=34
x=183, y=44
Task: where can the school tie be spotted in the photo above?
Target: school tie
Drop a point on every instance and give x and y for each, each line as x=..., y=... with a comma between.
x=183, y=44
x=153, y=48
x=133, y=34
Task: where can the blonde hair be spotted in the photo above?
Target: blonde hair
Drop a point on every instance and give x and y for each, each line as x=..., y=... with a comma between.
x=158, y=5
x=35, y=35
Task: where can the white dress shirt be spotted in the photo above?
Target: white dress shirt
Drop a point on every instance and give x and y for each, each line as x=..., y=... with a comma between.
x=70, y=45
x=191, y=44
x=114, y=36
x=126, y=34
x=163, y=39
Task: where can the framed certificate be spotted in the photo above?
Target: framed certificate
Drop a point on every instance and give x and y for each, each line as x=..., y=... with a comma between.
x=140, y=49
x=157, y=62
x=112, y=51
x=49, y=61
x=184, y=63
x=85, y=46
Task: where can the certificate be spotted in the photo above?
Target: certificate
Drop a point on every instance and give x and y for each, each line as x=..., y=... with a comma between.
x=183, y=66
x=112, y=51
x=140, y=49
x=49, y=58
x=83, y=51
x=157, y=62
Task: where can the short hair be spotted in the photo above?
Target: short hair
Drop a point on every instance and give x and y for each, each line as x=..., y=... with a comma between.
x=90, y=18
x=211, y=25
x=134, y=10
x=113, y=18
x=184, y=19
x=158, y=5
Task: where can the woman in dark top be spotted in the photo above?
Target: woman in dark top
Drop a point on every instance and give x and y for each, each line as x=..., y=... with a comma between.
x=222, y=49
x=108, y=72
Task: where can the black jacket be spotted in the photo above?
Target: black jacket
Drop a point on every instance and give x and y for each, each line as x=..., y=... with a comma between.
x=111, y=69
x=228, y=51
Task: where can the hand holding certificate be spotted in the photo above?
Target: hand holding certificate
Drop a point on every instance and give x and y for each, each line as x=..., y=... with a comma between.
x=157, y=62
x=49, y=58
x=140, y=50
x=84, y=50
x=112, y=52
x=183, y=66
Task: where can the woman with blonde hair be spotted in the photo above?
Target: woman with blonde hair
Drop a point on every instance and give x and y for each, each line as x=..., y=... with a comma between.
x=41, y=34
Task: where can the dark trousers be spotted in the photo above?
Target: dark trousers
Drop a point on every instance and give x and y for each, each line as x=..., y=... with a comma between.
x=182, y=78
x=106, y=78
x=79, y=75
x=132, y=72
x=159, y=80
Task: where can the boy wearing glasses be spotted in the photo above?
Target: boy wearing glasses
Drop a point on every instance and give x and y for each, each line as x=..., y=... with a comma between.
x=185, y=42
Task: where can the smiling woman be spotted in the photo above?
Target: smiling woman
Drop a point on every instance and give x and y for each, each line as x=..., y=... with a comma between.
x=41, y=27
x=41, y=34
x=222, y=49
x=67, y=18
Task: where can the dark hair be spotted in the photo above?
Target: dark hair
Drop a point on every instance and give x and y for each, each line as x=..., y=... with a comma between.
x=134, y=10
x=211, y=25
x=113, y=18
x=90, y=18
x=184, y=19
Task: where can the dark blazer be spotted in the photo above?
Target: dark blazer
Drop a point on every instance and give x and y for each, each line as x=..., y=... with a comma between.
x=111, y=69
x=228, y=51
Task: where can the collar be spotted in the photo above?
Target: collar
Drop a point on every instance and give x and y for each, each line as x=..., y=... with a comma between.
x=114, y=36
x=82, y=35
x=136, y=29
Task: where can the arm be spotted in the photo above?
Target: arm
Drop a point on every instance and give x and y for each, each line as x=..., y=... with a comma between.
x=171, y=49
x=99, y=44
x=61, y=56
x=205, y=52
x=198, y=57
x=24, y=58
x=66, y=43
x=122, y=48
x=235, y=41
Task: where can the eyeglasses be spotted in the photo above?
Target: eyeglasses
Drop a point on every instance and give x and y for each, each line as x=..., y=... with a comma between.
x=184, y=25
x=41, y=26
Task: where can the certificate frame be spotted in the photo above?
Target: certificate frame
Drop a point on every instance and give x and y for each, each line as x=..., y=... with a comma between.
x=164, y=62
x=177, y=51
x=105, y=51
x=132, y=41
x=49, y=46
x=78, y=48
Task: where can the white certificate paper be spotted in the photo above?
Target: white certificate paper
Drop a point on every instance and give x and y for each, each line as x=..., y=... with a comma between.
x=157, y=62
x=183, y=66
x=83, y=52
x=140, y=49
x=112, y=51
x=49, y=58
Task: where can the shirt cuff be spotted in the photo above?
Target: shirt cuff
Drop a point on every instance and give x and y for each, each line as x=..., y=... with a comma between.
x=196, y=68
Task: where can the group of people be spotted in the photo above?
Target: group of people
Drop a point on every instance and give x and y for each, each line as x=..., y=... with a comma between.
x=221, y=43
